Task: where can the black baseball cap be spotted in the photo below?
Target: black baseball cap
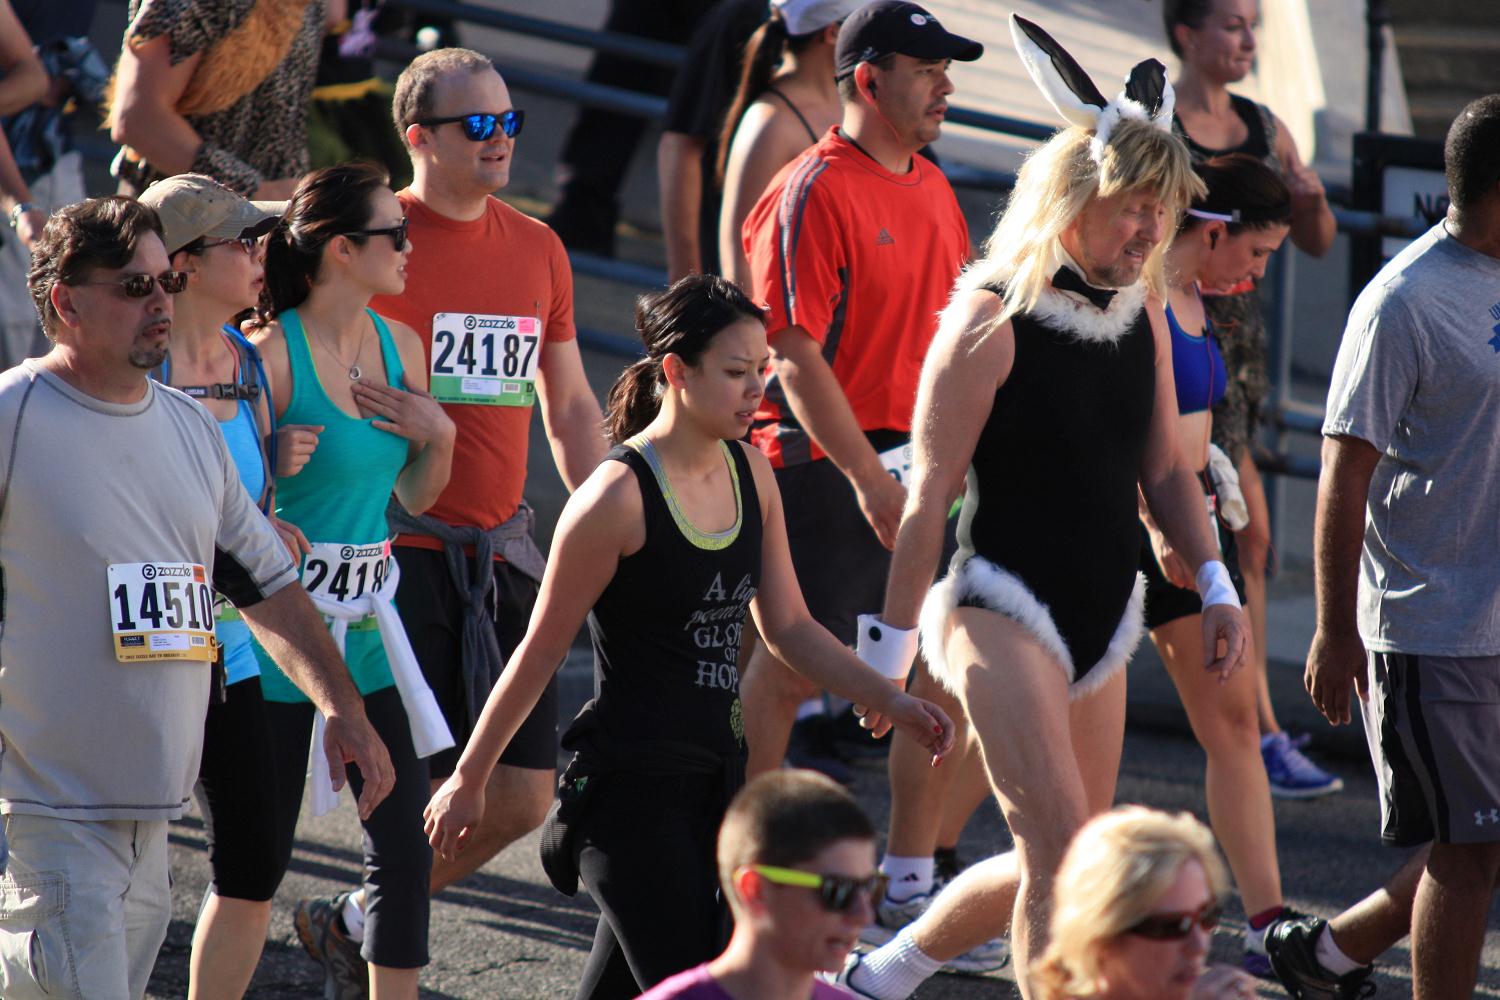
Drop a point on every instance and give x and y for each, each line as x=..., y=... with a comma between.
x=894, y=26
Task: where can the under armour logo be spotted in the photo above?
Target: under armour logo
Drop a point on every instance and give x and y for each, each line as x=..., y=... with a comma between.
x=1494, y=341
x=1480, y=818
x=1495, y=311
x=885, y=239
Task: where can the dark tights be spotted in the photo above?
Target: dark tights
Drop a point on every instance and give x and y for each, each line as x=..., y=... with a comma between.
x=647, y=856
x=398, y=860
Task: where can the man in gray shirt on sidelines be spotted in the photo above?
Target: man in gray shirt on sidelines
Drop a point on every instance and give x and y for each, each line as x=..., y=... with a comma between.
x=120, y=509
x=1408, y=584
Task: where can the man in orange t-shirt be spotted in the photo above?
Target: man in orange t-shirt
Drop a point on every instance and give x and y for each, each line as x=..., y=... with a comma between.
x=490, y=291
x=855, y=247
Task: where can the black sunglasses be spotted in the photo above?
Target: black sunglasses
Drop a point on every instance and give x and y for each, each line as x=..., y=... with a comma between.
x=1176, y=926
x=480, y=126
x=397, y=233
x=138, y=286
x=245, y=243
x=837, y=893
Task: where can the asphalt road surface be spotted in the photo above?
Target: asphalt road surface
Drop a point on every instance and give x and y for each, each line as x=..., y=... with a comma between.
x=505, y=933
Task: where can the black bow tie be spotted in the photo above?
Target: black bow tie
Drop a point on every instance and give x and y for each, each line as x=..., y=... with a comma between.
x=1068, y=280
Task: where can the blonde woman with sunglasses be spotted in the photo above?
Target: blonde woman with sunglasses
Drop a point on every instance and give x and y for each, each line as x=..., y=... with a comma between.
x=1137, y=899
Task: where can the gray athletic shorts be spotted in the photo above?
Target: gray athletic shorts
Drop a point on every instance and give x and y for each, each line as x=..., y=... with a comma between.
x=1431, y=723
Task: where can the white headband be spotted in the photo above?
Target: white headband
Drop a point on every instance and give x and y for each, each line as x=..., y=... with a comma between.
x=1199, y=213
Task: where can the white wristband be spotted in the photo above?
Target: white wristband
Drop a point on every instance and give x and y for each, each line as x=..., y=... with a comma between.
x=889, y=651
x=1214, y=585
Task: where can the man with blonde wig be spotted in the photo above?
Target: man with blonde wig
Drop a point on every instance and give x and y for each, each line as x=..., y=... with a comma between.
x=1049, y=385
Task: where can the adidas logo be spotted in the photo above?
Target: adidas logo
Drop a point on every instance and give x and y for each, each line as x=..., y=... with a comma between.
x=885, y=239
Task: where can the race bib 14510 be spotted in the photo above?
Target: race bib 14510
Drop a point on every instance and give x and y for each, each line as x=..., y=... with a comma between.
x=161, y=611
x=487, y=360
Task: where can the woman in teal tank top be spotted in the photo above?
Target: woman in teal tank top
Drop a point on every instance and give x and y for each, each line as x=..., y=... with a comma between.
x=357, y=426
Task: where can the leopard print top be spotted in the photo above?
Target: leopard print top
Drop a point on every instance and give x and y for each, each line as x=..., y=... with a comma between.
x=263, y=135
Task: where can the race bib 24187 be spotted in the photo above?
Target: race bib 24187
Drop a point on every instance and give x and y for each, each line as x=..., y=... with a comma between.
x=485, y=360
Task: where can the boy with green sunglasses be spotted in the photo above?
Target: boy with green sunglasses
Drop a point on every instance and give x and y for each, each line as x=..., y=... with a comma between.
x=796, y=860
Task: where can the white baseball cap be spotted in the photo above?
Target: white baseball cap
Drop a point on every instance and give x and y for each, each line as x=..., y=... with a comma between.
x=803, y=17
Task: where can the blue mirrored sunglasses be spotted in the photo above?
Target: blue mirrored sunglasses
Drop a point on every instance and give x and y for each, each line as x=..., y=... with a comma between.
x=480, y=127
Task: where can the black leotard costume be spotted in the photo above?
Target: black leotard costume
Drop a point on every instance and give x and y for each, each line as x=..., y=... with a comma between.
x=1049, y=534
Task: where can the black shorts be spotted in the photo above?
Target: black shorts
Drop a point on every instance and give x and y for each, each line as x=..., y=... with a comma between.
x=236, y=793
x=841, y=565
x=1166, y=602
x=433, y=614
x=1430, y=722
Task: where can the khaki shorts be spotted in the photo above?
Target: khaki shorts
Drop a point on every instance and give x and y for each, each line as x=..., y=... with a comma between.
x=1431, y=723
x=84, y=907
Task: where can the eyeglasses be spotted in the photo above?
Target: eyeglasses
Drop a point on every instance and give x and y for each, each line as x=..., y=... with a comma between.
x=480, y=126
x=1176, y=926
x=249, y=244
x=836, y=893
x=397, y=233
x=138, y=286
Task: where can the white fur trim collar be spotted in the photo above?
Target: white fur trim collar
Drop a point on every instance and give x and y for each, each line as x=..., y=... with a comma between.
x=1075, y=314
x=1002, y=591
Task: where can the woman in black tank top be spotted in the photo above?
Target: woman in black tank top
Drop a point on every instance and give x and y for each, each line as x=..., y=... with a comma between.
x=664, y=548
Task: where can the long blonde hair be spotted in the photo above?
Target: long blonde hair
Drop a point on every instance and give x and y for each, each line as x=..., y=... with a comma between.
x=1053, y=186
x=1117, y=867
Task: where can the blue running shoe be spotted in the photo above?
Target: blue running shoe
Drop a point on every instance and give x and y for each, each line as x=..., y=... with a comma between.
x=1292, y=775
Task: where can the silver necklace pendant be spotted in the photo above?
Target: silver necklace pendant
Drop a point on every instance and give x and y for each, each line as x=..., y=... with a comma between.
x=354, y=373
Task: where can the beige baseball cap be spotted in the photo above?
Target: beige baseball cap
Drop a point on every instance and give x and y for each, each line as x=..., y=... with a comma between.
x=193, y=206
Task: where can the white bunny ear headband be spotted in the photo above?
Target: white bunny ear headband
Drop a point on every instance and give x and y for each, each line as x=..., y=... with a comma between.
x=1147, y=97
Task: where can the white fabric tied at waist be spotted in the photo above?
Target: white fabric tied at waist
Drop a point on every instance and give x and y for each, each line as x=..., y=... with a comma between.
x=429, y=730
x=1226, y=479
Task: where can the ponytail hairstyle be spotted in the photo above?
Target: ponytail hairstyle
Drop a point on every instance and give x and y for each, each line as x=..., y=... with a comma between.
x=1243, y=193
x=682, y=320
x=763, y=54
x=333, y=201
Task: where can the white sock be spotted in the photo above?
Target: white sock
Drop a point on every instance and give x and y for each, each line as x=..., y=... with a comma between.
x=354, y=917
x=895, y=969
x=909, y=877
x=1332, y=958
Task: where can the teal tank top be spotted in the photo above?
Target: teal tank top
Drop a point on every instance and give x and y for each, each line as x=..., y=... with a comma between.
x=242, y=435
x=340, y=495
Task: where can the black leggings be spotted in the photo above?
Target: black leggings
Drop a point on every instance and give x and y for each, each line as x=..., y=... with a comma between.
x=646, y=853
x=398, y=860
x=236, y=793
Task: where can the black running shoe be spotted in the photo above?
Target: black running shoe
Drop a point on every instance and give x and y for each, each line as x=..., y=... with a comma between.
x=1292, y=945
x=946, y=864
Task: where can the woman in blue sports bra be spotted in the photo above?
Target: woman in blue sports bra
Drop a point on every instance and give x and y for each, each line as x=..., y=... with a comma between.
x=213, y=235
x=349, y=390
x=1226, y=237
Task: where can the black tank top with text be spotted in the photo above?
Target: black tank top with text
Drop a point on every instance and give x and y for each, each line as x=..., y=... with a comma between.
x=666, y=630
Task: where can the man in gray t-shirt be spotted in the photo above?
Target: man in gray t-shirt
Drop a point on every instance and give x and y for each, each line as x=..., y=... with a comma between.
x=1408, y=577
x=120, y=509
